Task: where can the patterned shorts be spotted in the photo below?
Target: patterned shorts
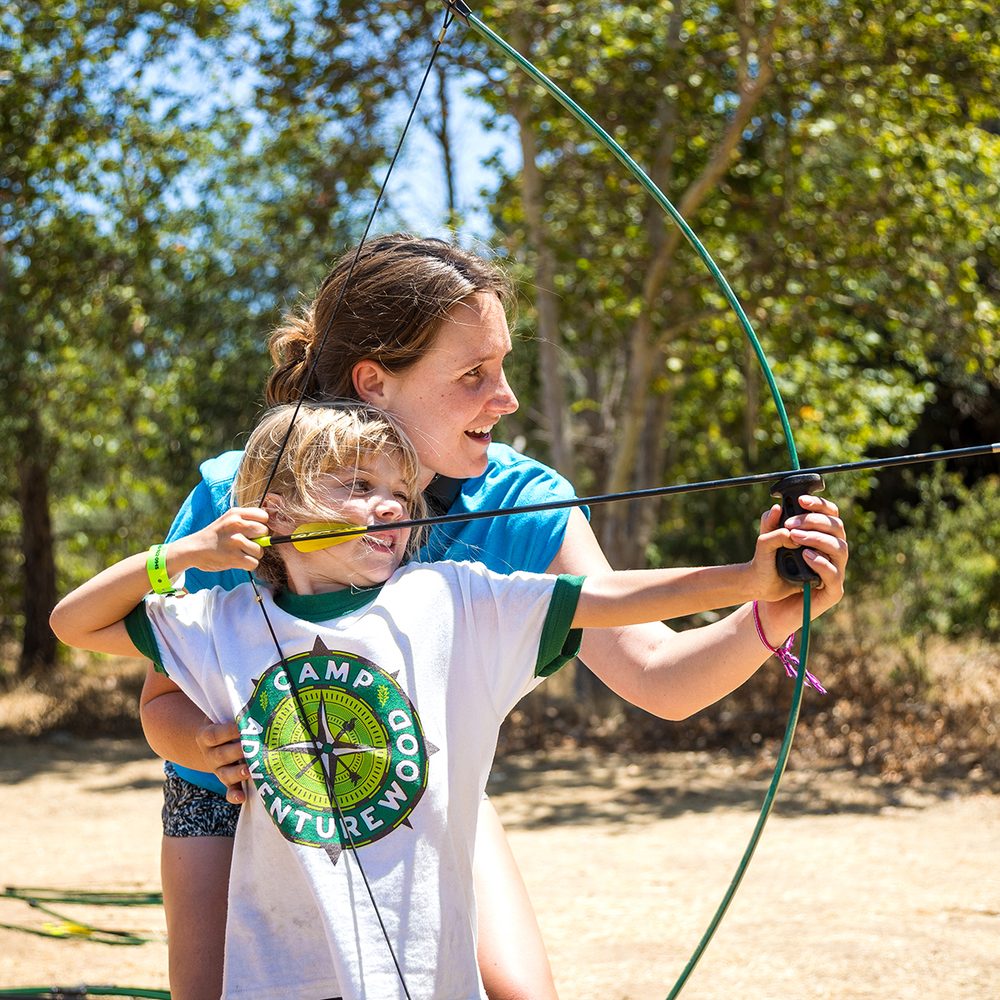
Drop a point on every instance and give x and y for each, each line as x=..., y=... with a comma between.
x=190, y=811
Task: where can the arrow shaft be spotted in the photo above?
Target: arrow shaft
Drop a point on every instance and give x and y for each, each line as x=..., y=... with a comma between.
x=656, y=491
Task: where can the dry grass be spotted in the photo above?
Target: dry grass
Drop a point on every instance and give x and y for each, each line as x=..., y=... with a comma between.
x=891, y=713
x=89, y=697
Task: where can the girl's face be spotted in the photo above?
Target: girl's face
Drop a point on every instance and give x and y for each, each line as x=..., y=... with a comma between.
x=373, y=493
x=451, y=399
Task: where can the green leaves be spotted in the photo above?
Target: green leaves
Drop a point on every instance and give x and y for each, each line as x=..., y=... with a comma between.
x=943, y=567
x=175, y=176
x=839, y=164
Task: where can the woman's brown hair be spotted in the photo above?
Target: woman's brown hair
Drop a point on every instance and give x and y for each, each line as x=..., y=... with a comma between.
x=401, y=289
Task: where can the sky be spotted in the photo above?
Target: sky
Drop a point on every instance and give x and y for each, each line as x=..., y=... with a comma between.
x=416, y=198
x=417, y=187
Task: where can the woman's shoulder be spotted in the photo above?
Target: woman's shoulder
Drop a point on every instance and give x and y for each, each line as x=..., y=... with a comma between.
x=220, y=471
x=504, y=457
x=516, y=542
x=510, y=473
x=210, y=498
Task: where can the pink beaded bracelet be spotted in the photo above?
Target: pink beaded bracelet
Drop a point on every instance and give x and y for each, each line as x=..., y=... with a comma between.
x=784, y=653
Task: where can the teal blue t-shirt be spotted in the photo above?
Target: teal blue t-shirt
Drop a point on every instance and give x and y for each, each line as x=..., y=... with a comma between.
x=503, y=544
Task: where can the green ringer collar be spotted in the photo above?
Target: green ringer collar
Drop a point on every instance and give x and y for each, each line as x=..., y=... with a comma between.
x=325, y=607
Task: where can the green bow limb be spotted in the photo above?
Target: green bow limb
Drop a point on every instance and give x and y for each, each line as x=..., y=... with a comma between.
x=465, y=13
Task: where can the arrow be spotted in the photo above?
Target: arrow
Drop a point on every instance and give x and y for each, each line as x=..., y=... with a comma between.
x=323, y=534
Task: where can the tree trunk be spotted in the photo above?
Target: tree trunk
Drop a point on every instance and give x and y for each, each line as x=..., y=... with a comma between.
x=550, y=349
x=38, y=646
x=443, y=135
x=643, y=341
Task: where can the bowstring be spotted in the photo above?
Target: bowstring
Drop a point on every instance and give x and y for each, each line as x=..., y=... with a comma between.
x=328, y=779
x=328, y=326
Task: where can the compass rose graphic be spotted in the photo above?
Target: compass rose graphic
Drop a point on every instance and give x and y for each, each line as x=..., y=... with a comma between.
x=329, y=749
x=364, y=740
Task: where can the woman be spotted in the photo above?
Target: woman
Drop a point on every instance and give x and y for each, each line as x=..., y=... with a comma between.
x=422, y=333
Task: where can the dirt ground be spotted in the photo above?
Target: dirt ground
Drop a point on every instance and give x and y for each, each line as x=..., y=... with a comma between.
x=857, y=889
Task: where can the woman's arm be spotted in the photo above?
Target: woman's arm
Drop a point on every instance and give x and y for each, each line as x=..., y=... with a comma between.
x=177, y=730
x=675, y=674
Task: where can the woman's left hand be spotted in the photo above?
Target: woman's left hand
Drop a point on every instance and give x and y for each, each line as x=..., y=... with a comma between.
x=822, y=538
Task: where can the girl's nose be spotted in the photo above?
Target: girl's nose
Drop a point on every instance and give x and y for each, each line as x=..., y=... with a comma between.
x=390, y=508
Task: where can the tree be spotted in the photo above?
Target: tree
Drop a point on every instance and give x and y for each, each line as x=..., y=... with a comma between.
x=79, y=232
x=835, y=164
x=177, y=179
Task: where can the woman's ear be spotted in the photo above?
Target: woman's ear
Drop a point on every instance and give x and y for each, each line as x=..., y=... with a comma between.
x=371, y=383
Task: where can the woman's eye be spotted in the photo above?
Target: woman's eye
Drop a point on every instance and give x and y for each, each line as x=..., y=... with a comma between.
x=476, y=372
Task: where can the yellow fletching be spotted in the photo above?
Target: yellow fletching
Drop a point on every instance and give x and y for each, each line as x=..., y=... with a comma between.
x=302, y=541
x=302, y=538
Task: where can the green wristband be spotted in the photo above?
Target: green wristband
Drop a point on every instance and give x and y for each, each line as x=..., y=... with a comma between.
x=156, y=570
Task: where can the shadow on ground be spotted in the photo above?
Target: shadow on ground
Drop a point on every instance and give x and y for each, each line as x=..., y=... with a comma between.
x=572, y=787
x=61, y=756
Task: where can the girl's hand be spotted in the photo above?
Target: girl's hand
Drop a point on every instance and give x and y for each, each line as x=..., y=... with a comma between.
x=821, y=535
x=224, y=544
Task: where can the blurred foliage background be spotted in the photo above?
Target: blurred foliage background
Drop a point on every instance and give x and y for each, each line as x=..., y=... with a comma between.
x=175, y=176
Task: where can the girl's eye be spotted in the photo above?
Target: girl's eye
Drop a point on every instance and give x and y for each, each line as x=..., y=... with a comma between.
x=403, y=498
x=360, y=486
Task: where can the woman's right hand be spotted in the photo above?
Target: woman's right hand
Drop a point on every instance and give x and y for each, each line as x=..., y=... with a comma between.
x=219, y=743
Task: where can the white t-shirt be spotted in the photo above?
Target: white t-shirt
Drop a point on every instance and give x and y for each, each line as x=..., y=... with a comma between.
x=404, y=687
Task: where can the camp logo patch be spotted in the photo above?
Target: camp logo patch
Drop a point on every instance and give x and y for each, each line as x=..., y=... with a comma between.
x=364, y=739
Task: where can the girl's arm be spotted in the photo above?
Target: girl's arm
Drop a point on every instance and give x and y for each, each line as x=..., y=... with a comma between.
x=92, y=616
x=675, y=674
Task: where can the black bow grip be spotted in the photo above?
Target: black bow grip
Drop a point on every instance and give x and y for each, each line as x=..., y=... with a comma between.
x=791, y=566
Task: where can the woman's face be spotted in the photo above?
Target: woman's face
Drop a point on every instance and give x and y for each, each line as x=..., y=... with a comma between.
x=450, y=400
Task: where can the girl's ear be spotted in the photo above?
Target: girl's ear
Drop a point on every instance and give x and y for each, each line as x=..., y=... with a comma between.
x=371, y=382
x=278, y=522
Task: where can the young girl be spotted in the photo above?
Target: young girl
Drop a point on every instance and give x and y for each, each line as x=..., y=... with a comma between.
x=368, y=695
